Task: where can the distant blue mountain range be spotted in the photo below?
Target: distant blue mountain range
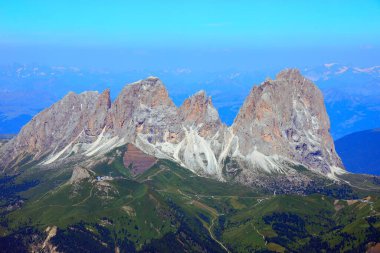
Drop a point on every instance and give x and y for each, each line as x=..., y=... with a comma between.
x=360, y=151
x=352, y=96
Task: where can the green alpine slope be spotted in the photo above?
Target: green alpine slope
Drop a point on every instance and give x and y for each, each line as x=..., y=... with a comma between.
x=170, y=209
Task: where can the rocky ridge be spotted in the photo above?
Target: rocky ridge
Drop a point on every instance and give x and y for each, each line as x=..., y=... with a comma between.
x=287, y=117
x=283, y=122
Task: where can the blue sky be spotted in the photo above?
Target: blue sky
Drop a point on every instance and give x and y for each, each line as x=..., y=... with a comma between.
x=204, y=34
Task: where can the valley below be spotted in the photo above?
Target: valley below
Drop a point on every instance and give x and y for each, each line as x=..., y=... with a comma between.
x=167, y=208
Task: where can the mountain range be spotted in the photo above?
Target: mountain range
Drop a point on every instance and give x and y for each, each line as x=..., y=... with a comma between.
x=351, y=96
x=350, y=92
x=282, y=122
x=141, y=174
x=360, y=152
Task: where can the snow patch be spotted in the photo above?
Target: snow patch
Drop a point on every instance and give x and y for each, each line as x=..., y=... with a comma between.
x=366, y=70
x=329, y=65
x=342, y=70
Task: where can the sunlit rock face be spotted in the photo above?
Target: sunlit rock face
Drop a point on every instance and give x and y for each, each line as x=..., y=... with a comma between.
x=199, y=111
x=282, y=120
x=144, y=107
x=287, y=117
x=52, y=130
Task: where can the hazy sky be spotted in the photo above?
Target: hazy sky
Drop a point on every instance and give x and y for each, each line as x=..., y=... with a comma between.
x=209, y=35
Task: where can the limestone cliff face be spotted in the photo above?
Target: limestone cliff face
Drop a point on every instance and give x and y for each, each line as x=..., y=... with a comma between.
x=54, y=128
x=198, y=111
x=88, y=124
x=144, y=108
x=98, y=117
x=202, y=139
x=155, y=125
x=281, y=120
x=287, y=117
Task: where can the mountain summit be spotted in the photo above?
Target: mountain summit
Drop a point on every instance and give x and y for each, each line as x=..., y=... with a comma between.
x=287, y=117
x=282, y=124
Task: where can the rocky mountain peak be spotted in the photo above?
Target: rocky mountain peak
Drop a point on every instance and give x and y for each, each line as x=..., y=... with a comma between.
x=55, y=127
x=98, y=118
x=198, y=108
x=199, y=111
x=153, y=80
x=150, y=92
x=201, y=93
x=143, y=108
x=105, y=99
x=287, y=117
x=289, y=74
